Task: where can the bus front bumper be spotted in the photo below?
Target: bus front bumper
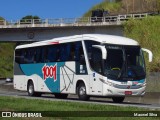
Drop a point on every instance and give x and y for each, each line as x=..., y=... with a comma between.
x=112, y=91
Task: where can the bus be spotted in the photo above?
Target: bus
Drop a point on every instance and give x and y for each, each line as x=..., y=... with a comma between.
x=89, y=65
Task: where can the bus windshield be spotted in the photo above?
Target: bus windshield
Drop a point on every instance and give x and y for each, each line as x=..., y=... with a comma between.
x=124, y=63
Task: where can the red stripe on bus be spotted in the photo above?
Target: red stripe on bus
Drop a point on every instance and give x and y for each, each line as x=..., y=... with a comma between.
x=54, y=42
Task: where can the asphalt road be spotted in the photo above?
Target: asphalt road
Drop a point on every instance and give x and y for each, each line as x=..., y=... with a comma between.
x=149, y=102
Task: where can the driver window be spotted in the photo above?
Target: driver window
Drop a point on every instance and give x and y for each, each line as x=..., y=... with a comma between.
x=96, y=60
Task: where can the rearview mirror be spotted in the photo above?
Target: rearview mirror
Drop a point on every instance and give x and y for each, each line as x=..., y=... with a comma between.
x=150, y=55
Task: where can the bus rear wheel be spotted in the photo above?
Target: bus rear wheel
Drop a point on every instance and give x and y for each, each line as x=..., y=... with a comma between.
x=118, y=99
x=31, y=91
x=82, y=92
x=61, y=96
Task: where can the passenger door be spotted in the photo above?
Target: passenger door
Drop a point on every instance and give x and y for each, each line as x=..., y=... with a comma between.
x=96, y=66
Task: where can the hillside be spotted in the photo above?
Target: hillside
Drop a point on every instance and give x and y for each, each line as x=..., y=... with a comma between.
x=147, y=33
x=126, y=7
x=6, y=59
x=111, y=7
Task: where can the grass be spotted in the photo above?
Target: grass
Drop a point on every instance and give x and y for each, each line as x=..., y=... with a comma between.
x=21, y=104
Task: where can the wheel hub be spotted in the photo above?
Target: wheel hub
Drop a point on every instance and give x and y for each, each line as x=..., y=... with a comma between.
x=82, y=91
x=30, y=89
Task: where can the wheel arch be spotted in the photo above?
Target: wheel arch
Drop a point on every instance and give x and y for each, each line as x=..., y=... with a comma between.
x=31, y=80
x=79, y=81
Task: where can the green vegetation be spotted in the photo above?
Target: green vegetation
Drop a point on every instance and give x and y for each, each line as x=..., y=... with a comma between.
x=147, y=33
x=30, y=17
x=111, y=7
x=126, y=7
x=21, y=104
x=1, y=18
x=6, y=59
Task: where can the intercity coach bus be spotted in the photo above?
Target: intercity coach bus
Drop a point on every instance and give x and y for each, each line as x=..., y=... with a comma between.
x=87, y=65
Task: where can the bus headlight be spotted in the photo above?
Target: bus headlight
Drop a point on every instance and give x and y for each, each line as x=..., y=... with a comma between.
x=143, y=85
x=107, y=82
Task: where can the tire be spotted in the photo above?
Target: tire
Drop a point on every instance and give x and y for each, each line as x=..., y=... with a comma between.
x=118, y=99
x=31, y=91
x=82, y=92
x=61, y=96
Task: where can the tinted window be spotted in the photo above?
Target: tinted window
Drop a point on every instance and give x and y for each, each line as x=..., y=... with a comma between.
x=52, y=53
x=96, y=60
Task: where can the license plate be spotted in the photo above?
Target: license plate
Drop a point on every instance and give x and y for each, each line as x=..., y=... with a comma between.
x=128, y=92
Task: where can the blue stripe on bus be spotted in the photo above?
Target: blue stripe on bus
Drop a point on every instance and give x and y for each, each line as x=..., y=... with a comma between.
x=53, y=85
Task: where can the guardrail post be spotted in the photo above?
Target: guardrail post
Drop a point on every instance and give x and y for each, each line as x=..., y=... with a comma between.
x=18, y=23
x=46, y=22
x=89, y=20
x=32, y=21
x=5, y=23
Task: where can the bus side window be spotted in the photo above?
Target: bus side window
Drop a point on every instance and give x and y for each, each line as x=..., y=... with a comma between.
x=44, y=55
x=57, y=53
x=62, y=52
x=65, y=52
x=79, y=54
x=52, y=53
x=31, y=55
x=78, y=51
x=38, y=55
x=25, y=55
x=72, y=52
x=68, y=52
x=18, y=56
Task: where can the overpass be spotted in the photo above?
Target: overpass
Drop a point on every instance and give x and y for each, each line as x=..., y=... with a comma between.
x=44, y=29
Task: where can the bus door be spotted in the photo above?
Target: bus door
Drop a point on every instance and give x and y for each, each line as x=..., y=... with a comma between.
x=96, y=66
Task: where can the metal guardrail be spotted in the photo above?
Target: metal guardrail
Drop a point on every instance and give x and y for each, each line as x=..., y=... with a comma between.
x=88, y=21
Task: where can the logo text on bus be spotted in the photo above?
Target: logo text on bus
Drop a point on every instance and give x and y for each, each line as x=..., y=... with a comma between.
x=49, y=72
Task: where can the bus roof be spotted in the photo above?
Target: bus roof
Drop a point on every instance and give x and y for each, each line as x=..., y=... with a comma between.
x=108, y=39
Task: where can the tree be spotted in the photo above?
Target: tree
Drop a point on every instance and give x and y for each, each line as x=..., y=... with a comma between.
x=29, y=19
x=1, y=20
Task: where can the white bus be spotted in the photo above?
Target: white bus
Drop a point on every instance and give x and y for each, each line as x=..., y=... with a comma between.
x=87, y=65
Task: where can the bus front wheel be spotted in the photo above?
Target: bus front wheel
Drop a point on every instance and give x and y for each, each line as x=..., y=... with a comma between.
x=118, y=99
x=82, y=92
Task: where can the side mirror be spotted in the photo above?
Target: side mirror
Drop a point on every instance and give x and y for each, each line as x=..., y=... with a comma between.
x=150, y=54
x=103, y=49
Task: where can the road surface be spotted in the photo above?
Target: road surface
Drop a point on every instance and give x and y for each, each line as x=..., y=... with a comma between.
x=149, y=102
